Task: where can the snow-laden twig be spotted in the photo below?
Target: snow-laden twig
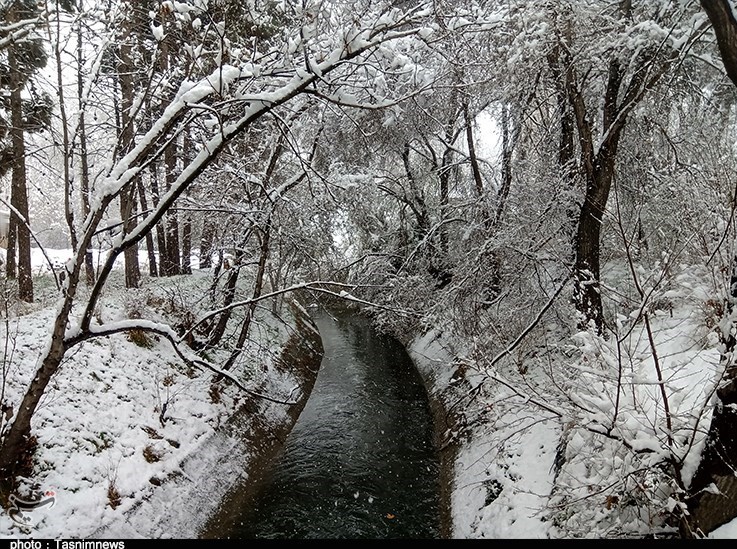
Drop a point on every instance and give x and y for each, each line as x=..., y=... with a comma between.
x=315, y=285
x=488, y=375
x=190, y=95
x=17, y=31
x=170, y=335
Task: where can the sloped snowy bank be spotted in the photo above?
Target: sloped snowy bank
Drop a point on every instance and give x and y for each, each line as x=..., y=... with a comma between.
x=134, y=443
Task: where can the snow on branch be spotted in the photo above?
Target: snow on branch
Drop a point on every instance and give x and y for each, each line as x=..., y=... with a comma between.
x=193, y=95
x=316, y=285
x=76, y=337
x=189, y=94
x=17, y=32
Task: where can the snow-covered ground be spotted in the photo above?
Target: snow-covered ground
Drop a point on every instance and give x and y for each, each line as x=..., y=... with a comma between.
x=130, y=440
x=526, y=466
x=105, y=448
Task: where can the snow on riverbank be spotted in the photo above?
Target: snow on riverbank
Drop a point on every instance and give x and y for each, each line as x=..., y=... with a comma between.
x=494, y=493
x=131, y=441
x=129, y=438
x=530, y=457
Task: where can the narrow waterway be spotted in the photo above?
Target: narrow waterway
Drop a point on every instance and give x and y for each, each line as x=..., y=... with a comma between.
x=360, y=461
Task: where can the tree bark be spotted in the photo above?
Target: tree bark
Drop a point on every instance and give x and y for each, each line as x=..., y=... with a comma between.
x=173, y=256
x=187, y=245
x=127, y=213
x=445, y=170
x=66, y=143
x=723, y=21
x=416, y=201
x=188, y=153
x=218, y=330
x=507, y=148
x=160, y=227
x=257, y=289
x=19, y=193
x=83, y=158
x=126, y=142
x=11, y=258
x=708, y=510
x=207, y=236
x=150, y=250
x=471, y=143
x=598, y=167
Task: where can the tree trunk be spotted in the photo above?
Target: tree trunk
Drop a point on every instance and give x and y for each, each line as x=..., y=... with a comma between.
x=507, y=148
x=173, y=265
x=587, y=287
x=598, y=165
x=128, y=211
x=218, y=330
x=15, y=443
x=173, y=259
x=206, y=239
x=126, y=142
x=19, y=194
x=566, y=140
x=725, y=26
x=257, y=289
x=69, y=199
x=83, y=158
x=187, y=245
x=415, y=201
x=11, y=263
x=445, y=170
x=470, y=142
x=188, y=152
x=160, y=227
x=587, y=292
x=150, y=251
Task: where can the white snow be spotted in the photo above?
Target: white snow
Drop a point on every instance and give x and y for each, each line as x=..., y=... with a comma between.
x=105, y=405
x=505, y=482
x=158, y=32
x=123, y=416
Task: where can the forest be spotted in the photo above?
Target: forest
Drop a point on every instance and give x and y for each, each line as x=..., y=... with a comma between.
x=545, y=191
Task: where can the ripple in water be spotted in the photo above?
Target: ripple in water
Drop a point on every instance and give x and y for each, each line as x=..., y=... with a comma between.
x=360, y=461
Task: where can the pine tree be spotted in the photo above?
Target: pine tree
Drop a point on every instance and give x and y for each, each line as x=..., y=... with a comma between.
x=29, y=110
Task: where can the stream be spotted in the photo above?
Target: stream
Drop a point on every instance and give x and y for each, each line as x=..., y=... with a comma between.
x=360, y=460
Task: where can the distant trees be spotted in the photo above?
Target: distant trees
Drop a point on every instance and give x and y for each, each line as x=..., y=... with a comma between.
x=27, y=108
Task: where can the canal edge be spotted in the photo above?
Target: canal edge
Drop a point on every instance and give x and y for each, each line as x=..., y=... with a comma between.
x=428, y=353
x=304, y=352
x=185, y=502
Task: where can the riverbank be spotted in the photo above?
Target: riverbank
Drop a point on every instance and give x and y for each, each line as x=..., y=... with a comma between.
x=188, y=482
x=263, y=433
x=431, y=357
x=235, y=455
x=475, y=449
x=130, y=439
x=523, y=441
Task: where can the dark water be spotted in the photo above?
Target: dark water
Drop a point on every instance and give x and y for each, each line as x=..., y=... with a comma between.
x=360, y=461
